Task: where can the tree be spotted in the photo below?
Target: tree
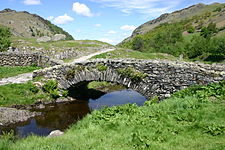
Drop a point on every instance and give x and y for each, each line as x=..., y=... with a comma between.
x=197, y=47
x=207, y=32
x=4, y=38
x=138, y=43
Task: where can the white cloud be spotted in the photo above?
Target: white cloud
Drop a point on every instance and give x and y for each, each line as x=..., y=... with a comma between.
x=111, y=32
x=147, y=7
x=32, y=2
x=98, y=25
x=82, y=9
x=63, y=19
x=50, y=18
x=128, y=27
x=106, y=40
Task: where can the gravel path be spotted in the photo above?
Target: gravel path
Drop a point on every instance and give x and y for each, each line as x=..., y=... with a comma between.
x=22, y=78
x=84, y=58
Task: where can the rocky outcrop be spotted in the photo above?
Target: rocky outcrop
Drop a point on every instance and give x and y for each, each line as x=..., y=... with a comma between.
x=44, y=39
x=160, y=78
x=58, y=37
x=12, y=115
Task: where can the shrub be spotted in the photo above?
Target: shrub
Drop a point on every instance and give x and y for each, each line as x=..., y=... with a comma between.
x=138, y=43
x=4, y=38
x=209, y=31
x=51, y=87
x=191, y=29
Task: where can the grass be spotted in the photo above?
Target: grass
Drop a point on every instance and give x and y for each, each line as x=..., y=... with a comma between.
x=21, y=94
x=57, y=45
x=6, y=71
x=191, y=119
x=123, y=53
x=97, y=84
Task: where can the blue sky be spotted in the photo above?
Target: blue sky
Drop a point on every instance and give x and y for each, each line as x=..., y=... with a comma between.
x=106, y=20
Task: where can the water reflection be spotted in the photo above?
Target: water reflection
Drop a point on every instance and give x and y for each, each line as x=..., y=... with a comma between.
x=117, y=98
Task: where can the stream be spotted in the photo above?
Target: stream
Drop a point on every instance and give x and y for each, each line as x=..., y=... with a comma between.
x=62, y=115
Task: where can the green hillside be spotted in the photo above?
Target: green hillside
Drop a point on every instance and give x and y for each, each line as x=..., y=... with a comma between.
x=200, y=37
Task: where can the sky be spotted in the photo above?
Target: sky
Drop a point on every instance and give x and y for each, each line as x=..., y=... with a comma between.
x=105, y=20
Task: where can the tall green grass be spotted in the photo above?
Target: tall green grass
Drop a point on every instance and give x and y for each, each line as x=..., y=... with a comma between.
x=21, y=94
x=191, y=119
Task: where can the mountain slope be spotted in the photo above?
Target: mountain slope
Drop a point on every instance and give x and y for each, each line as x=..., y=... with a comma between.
x=199, y=15
x=29, y=25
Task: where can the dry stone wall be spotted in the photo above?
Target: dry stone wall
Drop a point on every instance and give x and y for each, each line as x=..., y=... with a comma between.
x=26, y=59
x=161, y=78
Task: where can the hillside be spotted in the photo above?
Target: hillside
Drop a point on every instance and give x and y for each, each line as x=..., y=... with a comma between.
x=199, y=15
x=193, y=33
x=24, y=24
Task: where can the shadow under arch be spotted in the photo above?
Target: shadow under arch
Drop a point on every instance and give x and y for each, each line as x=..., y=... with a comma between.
x=81, y=91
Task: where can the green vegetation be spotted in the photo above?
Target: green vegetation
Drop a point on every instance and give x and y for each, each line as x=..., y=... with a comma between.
x=191, y=119
x=21, y=94
x=6, y=71
x=199, y=37
x=131, y=73
x=168, y=38
x=72, y=72
x=101, y=67
x=28, y=93
x=124, y=53
x=56, y=45
x=51, y=87
x=97, y=84
x=4, y=38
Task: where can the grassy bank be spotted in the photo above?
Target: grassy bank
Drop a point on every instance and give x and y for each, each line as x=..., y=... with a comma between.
x=21, y=94
x=124, y=53
x=6, y=71
x=191, y=119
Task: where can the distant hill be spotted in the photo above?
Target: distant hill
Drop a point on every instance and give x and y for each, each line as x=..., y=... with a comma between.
x=198, y=15
x=24, y=24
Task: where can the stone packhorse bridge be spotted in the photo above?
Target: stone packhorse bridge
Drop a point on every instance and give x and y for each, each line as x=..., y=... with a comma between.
x=148, y=77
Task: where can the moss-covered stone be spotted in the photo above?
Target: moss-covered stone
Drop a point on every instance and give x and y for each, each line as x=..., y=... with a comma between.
x=131, y=73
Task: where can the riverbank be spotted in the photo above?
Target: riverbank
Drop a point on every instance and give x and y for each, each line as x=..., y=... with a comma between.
x=190, y=119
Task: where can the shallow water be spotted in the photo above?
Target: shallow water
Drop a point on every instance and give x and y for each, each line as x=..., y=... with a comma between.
x=61, y=116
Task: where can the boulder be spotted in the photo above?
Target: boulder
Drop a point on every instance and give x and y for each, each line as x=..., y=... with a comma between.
x=58, y=37
x=55, y=133
x=44, y=39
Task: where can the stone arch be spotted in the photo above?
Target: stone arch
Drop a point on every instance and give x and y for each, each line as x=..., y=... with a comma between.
x=109, y=75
